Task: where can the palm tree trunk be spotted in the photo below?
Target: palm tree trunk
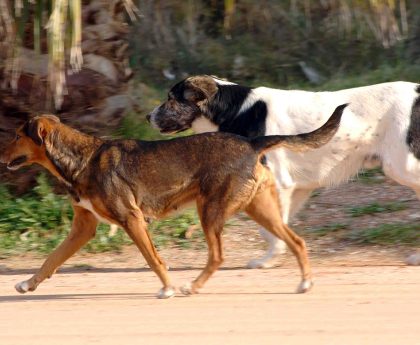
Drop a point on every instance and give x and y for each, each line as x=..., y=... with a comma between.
x=97, y=96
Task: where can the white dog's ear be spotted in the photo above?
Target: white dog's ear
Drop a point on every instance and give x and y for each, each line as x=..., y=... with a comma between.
x=199, y=88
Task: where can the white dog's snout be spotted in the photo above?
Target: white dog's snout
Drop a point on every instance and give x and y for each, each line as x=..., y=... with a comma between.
x=152, y=117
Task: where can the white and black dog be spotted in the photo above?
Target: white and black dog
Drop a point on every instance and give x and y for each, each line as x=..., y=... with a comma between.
x=381, y=125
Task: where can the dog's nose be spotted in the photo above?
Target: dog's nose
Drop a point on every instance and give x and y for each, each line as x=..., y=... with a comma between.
x=148, y=117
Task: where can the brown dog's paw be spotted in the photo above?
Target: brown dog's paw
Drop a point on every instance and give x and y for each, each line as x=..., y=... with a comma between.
x=188, y=289
x=165, y=293
x=22, y=287
x=305, y=286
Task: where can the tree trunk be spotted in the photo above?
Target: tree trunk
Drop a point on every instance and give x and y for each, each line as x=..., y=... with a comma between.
x=97, y=96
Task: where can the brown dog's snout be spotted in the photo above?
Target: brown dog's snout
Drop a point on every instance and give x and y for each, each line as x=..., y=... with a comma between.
x=5, y=155
x=3, y=158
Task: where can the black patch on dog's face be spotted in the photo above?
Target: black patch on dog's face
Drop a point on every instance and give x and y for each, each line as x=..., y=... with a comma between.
x=413, y=134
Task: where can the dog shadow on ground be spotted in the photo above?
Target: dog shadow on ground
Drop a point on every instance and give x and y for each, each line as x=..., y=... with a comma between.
x=117, y=296
x=5, y=271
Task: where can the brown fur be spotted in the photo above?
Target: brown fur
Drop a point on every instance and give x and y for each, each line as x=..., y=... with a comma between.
x=126, y=181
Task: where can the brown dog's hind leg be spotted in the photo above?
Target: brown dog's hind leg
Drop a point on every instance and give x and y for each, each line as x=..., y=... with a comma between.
x=82, y=230
x=212, y=221
x=137, y=230
x=265, y=210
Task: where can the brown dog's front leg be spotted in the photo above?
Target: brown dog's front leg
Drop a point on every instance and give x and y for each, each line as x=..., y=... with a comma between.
x=83, y=229
x=136, y=228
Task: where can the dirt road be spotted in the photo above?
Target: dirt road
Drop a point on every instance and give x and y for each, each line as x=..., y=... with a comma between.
x=348, y=305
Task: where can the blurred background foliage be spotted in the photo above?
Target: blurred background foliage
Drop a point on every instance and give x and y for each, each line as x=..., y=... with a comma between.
x=272, y=42
x=102, y=65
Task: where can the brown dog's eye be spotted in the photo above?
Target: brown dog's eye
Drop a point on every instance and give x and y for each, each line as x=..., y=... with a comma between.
x=17, y=137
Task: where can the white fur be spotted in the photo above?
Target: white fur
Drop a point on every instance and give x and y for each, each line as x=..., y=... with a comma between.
x=112, y=230
x=374, y=125
x=304, y=286
x=413, y=259
x=165, y=293
x=186, y=289
x=270, y=259
x=203, y=125
x=222, y=81
x=13, y=168
x=86, y=204
x=153, y=117
x=22, y=287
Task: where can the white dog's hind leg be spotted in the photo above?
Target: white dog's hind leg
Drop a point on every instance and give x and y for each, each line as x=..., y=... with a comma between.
x=414, y=259
x=291, y=202
x=113, y=228
x=405, y=170
x=275, y=250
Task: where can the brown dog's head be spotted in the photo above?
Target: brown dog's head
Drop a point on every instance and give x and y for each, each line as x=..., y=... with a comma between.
x=186, y=102
x=28, y=146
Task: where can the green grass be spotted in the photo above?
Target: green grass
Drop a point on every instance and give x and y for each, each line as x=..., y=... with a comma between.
x=328, y=229
x=386, y=234
x=40, y=220
x=171, y=231
x=373, y=208
x=371, y=176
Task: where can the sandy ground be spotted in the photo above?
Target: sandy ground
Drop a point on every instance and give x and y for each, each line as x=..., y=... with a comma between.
x=108, y=299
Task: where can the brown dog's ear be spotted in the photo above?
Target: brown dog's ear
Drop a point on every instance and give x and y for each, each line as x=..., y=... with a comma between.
x=35, y=130
x=199, y=88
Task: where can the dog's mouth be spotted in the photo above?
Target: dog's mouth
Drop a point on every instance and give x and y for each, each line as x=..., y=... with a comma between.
x=16, y=163
x=172, y=131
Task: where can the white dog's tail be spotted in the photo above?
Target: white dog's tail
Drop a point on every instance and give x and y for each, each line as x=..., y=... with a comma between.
x=301, y=142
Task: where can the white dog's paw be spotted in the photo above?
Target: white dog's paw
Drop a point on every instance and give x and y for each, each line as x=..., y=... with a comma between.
x=22, y=287
x=165, y=293
x=274, y=257
x=271, y=262
x=187, y=289
x=413, y=259
x=261, y=263
x=305, y=286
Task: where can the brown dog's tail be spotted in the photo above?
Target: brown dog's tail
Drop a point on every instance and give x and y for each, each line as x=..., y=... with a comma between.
x=301, y=142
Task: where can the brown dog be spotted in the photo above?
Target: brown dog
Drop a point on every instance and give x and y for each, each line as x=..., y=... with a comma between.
x=123, y=181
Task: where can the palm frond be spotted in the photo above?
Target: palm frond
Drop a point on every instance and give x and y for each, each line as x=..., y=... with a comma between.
x=64, y=20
